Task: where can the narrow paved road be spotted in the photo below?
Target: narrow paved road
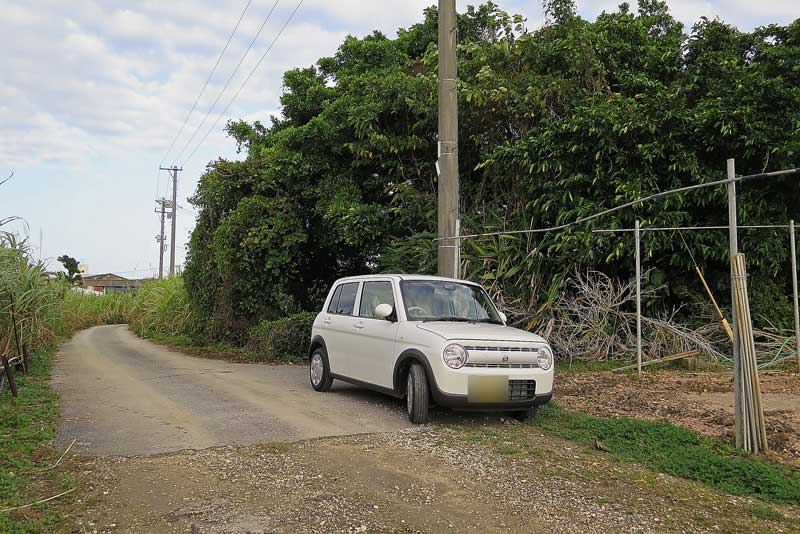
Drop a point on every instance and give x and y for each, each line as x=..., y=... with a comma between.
x=122, y=395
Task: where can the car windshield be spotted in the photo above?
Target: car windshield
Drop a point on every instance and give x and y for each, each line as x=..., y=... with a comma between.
x=440, y=300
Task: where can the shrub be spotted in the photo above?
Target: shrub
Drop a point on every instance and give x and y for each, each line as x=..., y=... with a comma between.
x=283, y=339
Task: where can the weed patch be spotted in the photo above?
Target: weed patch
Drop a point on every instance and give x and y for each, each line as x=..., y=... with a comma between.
x=671, y=449
x=27, y=427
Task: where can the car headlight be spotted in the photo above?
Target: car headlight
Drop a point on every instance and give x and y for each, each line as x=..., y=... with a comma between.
x=455, y=356
x=545, y=358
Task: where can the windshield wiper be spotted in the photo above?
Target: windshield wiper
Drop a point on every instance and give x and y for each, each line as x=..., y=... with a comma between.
x=449, y=319
x=487, y=320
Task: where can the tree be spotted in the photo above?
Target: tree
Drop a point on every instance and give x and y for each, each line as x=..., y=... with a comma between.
x=73, y=274
x=555, y=124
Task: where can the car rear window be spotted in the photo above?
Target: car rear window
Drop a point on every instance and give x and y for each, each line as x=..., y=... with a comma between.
x=345, y=301
x=375, y=293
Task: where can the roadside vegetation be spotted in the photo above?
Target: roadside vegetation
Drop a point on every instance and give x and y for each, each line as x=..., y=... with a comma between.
x=36, y=312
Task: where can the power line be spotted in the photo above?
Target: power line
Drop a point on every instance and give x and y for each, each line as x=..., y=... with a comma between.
x=187, y=209
x=205, y=85
x=235, y=70
x=285, y=24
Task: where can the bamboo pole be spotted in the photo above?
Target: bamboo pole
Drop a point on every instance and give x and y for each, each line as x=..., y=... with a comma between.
x=755, y=435
x=722, y=318
x=794, y=291
x=679, y=356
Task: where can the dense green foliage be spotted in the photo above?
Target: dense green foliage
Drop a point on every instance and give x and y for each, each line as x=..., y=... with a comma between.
x=671, y=449
x=282, y=339
x=555, y=124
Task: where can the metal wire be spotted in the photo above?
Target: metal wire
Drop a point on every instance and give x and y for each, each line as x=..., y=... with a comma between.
x=261, y=59
x=630, y=204
x=680, y=228
x=225, y=87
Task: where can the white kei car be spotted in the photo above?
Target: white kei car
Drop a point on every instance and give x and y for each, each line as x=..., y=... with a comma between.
x=428, y=338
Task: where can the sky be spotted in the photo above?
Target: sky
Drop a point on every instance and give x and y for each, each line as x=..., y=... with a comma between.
x=93, y=92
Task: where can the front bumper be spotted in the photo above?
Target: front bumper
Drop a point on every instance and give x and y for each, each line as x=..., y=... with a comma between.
x=462, y=402
x=490, y=387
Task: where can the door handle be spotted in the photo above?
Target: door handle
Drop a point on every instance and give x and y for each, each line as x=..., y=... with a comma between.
x=358, y=325
x=327, y=321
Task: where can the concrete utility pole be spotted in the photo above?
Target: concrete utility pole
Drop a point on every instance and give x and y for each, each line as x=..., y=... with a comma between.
x=448, y=140
x=161, y=238
x=173, y=171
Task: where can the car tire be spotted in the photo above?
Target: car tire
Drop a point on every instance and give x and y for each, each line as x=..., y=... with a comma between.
x=526, y=415
x=319, y=372
x=417, y=394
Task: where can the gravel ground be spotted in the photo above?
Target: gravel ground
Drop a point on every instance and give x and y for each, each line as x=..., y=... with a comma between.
x=184, y=445
x=491, y=477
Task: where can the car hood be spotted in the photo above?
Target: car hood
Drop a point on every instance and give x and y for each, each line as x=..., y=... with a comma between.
x=479, y=331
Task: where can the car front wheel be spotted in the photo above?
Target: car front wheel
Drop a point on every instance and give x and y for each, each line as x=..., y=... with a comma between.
x=319, y=371
x=417, y=395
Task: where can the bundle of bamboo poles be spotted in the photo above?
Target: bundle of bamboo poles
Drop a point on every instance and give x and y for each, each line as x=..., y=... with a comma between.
x=754, y=430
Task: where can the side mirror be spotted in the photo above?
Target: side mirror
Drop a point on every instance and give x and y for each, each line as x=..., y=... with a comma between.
x=503, y=317
x=383, y=311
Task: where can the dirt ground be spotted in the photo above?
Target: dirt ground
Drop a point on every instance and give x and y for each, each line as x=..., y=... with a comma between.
x=428, y=479
x=701, y=401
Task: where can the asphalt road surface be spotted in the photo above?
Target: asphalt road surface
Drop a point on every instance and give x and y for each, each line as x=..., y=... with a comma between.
x=122, y=395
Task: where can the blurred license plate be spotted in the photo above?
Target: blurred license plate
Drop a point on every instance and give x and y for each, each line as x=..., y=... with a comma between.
x=487, y=388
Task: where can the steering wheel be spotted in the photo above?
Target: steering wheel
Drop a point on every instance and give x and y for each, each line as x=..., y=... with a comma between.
x=421, y=311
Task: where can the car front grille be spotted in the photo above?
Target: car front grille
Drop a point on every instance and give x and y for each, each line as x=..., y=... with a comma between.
x=521, y=390
x=501, y=349
x=503, y=365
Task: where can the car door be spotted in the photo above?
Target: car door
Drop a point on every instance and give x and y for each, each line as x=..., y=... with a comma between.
x=338, y=326
x=373, y=354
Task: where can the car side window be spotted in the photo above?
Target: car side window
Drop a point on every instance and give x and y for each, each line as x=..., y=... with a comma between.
x=347, y=299
x=375, y=293
x=335, y=300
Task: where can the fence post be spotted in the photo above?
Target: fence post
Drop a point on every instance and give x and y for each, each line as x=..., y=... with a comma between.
x=9, y=375
x=637, y=234
x=733, y=243
x=794, y=291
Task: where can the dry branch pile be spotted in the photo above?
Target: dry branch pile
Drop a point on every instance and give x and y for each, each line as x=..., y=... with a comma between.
x=596, y=321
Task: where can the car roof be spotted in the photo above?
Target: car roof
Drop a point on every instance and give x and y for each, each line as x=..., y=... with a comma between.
x=401, y=277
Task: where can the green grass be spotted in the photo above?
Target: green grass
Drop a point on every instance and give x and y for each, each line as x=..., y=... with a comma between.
x=767, y=513
x=668, y=448
x=587, y=367
x=27, y=427
x=594, y=367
